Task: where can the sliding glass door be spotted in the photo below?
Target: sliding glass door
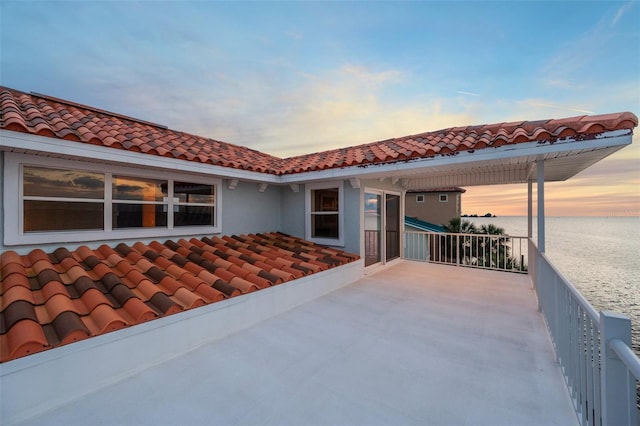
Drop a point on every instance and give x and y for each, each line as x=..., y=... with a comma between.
x=372, y=228
x=392, y=226
x=382, y=226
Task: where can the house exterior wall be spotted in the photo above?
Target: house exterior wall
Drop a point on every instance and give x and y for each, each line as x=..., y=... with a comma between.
x=292, y=211
x=293, y=215
x=352, y=219
x=247, y=210
x=242, y=210
x=432, y=210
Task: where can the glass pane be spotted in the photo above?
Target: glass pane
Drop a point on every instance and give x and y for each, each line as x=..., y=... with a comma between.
x=61, y=216
x=139, y=189
x=44, y=182
x=392, y=223
x=194, y=192
x=193, y=215
x=324, y=226
x=139, y=215
x=372, y=228
x=324, y=200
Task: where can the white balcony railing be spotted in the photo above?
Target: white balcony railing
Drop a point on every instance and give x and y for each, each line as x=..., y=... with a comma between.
x=485, y=251
x=592, y=348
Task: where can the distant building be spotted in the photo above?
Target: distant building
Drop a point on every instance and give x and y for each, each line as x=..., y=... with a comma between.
x=436, y=206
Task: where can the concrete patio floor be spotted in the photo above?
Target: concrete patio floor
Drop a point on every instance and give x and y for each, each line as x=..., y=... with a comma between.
x=413, y=344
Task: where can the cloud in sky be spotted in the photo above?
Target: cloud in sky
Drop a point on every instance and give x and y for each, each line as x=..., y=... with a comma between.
x=292, y=78
x=462, y=92
x=622, y=11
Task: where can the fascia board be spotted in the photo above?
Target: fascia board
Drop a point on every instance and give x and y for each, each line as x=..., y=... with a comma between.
x=528, y=149
x=24, y=142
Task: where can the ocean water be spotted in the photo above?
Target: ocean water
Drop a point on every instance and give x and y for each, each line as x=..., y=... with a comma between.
x=599, y=255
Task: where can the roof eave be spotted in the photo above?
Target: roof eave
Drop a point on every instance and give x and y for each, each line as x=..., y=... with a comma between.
x=42, y=145
x=489, y=159
x=527, y=152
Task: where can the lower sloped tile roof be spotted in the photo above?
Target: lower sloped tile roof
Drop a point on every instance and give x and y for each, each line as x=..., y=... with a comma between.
x=57, y=118
x=52, y=299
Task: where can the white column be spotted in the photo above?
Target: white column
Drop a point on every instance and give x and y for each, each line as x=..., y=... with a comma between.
x=540, y=173
x=530, y=209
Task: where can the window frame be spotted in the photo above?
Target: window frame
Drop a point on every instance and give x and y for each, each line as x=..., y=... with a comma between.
x=420, y=198
x=337, y=242
x=14, y=233
x=443, y=198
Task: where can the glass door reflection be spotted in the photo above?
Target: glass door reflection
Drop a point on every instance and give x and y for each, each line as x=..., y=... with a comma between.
x=392, y=226
x=372, y=228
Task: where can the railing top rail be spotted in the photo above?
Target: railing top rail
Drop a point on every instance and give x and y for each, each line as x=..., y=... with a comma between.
x=627, y=356
x=465, y=234
x=591, y=311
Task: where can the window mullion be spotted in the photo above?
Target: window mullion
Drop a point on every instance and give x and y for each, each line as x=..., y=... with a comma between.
x=21, y=209
x=170, y=201
x=108, y=201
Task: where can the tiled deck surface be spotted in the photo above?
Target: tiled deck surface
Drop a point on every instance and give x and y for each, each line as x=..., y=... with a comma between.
x=415, y=344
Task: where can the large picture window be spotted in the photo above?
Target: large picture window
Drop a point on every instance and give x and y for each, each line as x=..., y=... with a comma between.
x=59, y=201
x=325, y=213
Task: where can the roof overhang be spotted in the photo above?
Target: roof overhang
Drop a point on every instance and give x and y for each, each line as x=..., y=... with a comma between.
x=563, y=159
x=506, y=164
x=25, y=143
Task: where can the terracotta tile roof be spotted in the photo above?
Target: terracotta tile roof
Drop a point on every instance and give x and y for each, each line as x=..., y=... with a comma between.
x=49, y=300
x=458, y=139
x=46, y=116
x=57, y=118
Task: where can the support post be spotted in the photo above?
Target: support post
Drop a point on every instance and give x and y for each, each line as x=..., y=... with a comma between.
x=541, y=236
x=531, y=258
x=530, y=208
x=618, y=393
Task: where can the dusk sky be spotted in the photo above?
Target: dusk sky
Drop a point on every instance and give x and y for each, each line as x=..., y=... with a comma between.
x=288, y=78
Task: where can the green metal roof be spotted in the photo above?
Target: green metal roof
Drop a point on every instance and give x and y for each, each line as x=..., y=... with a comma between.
x=422, y=225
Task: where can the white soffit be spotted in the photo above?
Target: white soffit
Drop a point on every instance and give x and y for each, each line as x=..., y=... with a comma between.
x=488, y=166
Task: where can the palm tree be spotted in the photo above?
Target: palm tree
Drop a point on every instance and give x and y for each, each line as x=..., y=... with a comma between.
x=490, y=251
x=459, y=226
x=459, y=248
x=494, y=251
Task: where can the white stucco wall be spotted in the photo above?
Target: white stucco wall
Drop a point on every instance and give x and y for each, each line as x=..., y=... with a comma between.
x=247, y=210
x=352, y=218
x=293, y=215
x=293, y=211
